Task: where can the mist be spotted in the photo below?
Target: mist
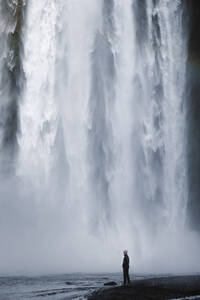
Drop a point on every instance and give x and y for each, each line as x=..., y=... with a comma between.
x=99, y=136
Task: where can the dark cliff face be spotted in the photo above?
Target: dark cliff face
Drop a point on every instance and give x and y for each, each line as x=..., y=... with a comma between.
x=11, y=81
x=193, y=113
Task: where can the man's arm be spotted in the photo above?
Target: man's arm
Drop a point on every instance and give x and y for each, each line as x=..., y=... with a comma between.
x=123, y=264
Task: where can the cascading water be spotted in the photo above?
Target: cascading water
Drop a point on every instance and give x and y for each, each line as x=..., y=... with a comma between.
x=11, y=80
x=101, y=158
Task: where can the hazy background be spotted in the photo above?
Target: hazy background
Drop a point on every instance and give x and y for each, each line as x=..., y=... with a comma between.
x=99, y=135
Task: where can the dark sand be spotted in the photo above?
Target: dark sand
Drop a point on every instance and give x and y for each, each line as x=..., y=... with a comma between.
x=172, y=287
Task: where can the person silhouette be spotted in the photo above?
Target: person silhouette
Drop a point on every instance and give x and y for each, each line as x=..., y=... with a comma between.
x=125, y=267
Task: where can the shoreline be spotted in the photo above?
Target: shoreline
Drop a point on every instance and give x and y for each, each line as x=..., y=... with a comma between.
x=169, y=287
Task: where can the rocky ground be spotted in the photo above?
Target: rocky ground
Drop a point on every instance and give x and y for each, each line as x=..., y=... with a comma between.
x=171, y=287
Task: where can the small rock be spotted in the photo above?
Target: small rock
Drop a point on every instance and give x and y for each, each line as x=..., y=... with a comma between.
x=110, y=283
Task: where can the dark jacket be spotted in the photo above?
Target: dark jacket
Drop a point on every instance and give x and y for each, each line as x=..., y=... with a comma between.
x=125, y=261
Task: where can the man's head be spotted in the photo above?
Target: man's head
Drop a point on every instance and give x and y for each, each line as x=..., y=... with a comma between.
x=125, y=252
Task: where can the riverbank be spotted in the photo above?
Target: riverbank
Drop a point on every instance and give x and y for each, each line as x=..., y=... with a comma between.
x=171, y=287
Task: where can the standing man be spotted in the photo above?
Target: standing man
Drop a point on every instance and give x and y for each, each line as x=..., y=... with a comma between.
x=125, y=266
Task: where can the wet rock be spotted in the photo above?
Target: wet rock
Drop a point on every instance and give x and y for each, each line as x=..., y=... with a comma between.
x=163, y=288
x=110, y=283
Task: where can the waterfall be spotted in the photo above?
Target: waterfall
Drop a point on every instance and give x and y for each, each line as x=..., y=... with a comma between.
x=99, y=133
x=160, y=77
x=12, y=14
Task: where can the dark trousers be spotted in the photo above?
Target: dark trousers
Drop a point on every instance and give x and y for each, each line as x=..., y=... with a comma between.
x=126, y=275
